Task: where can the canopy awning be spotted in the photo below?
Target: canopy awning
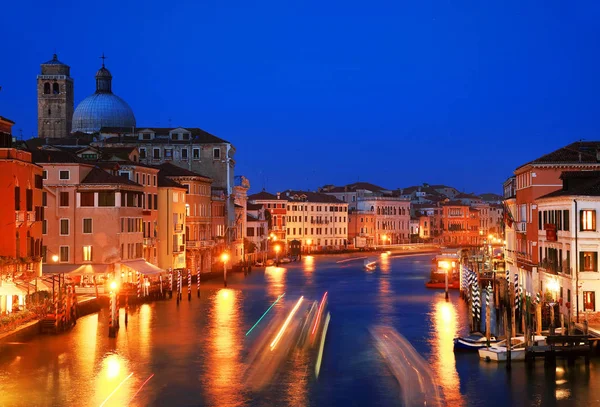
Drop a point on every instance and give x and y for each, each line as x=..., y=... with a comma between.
x=75, y=269
x=143, y=267
x=9, y=289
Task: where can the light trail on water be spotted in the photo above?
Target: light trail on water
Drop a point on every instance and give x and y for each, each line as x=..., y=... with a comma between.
x=143, y=384
x=263, y=315
x=115, y=390
x=286, y=323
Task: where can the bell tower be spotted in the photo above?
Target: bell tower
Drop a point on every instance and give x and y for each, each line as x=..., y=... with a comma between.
x=55, y=99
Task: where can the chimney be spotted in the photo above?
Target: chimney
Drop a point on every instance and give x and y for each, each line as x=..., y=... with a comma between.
x=278, y=195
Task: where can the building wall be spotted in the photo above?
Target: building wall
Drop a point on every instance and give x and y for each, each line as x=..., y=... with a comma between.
x=16, y=169
x=324, y=224
x=171, y=228
x=461, y=226
x=361, y=224
x=278, y=211
x=392, y=218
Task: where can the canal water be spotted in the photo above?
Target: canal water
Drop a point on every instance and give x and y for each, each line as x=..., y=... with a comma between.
x=193, y=354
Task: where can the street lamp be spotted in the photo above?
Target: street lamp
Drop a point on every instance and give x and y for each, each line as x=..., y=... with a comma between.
x=553, y=286
x=277, y=248
x=309, y=242
x=224, y=258
x=383, y=239
x=55, y=258
x=446, y=266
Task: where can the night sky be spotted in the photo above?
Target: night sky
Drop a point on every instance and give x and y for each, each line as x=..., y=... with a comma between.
x=330, y=92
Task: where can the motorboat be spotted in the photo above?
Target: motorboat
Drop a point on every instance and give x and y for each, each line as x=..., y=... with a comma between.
x=259, y=264
x=474, y=341
x=285, y=260
x=370, y=264
x=444, y=266
x=499, y=351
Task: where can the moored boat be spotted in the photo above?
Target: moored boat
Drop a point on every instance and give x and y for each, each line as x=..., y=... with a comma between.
x=452, y=285
x=499, y=351
x=474, y=341
x=370, y=264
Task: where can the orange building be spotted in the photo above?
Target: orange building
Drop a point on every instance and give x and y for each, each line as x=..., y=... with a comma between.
x=533, y=180
x=22, y=213
x=198, y=236
x=361, y=228
x=460, y=225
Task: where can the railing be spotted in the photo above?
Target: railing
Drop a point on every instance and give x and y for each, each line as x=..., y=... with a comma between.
x=149, y=241
x=19, y=217
x=30, y=218
x=319, y=222
x=178, y=248
x=521, y=227
x=192, y=244
x=178, y=227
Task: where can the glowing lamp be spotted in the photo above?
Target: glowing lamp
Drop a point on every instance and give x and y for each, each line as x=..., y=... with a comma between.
x=224, y=257
x=113, y=285
x=55, y=258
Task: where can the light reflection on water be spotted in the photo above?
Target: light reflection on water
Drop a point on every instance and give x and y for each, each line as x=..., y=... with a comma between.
x=275, y=277
x=445, y=325
x=223, y=382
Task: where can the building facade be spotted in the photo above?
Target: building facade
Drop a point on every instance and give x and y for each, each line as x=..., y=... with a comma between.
x=569, y=243
x=171, y=224
x=316, y=220
x=275, y=213
x=460, y=225
x=21, y=219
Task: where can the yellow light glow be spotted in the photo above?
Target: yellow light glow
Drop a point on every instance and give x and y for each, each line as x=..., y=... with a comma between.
x=384, y=237
x=309, y=242
x=553, y=286
x=147, y=283
x=444, y=264
x=113, y=366
x=286, y=323
x=224, y=257
x=490, y=237
x=55, y=258
x=113, y=285
x=277, y=248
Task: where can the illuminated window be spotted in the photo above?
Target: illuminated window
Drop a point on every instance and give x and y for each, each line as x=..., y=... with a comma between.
x=588, y=220
x=588, y=261
x=87, y=253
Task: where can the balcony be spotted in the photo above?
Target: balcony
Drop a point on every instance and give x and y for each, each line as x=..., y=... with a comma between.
x=178, y=228
x=178, y=248
x=19, y=217
x=552, y=267
x=319, y=222
x=149, y=241
x=30, y=218
x=521, y=227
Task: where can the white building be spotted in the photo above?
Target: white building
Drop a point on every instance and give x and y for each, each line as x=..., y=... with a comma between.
x=316, y=220
x=257, y=231
x=569, y=242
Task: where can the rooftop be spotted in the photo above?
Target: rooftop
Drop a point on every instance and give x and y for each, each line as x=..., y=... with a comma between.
x=171, y=170
x=578, y=183
x=307, y=196
x=574, y=153
x=164, y=182
x=262, y=196
x=131, y=135
x=99, y=176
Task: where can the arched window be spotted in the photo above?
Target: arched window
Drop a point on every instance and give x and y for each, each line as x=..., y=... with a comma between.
x=55, y=88
x=372, y=209
x=49, y=112
x=46, y=88
x=377, y=211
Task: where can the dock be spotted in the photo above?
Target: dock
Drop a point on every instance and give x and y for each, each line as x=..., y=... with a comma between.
x=569, y=347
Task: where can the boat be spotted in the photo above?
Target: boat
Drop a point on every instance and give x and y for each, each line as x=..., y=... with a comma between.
x=452, y=285
x=474, y=341
x=285, y=260
x=370, y=264
x=499, y=351
x=442, y=265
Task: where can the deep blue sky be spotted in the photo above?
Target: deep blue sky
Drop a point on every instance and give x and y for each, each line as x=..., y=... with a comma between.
x=315, y=92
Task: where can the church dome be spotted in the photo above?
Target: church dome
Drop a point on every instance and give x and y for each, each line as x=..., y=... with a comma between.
x=103, y=108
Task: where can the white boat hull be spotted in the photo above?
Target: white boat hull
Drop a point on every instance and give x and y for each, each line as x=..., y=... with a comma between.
x=500, y=356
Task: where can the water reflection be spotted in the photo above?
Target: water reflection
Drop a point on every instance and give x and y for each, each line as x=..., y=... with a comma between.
x=445, y=329
x=275, y=281
x=144, y=332
x=308, y=267
x=223, y=382
x=384, y=262
x=386, y=302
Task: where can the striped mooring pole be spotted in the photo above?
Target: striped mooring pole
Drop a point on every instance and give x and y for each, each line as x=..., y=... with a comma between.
x=189, y=285
x=178, y=285
x=198, y=280
x=139, y=284
x=170, y=283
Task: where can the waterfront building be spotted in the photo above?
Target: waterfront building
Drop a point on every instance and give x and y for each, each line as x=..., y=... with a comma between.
x=257, y=232
x=171, y=223
x=198, y=234
x=569, y=242
x=21, y=219
x=55, y=98
x=218, y=224
x=275, y=213
x=317, y=220
x=510, y=236
x=490, y=219
x=361, y=229
x=430, y=221
x=190, y=148
x=93, y=219
x=240, y=197
x=390, y=212
x=460, y=224
x=533, y=180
